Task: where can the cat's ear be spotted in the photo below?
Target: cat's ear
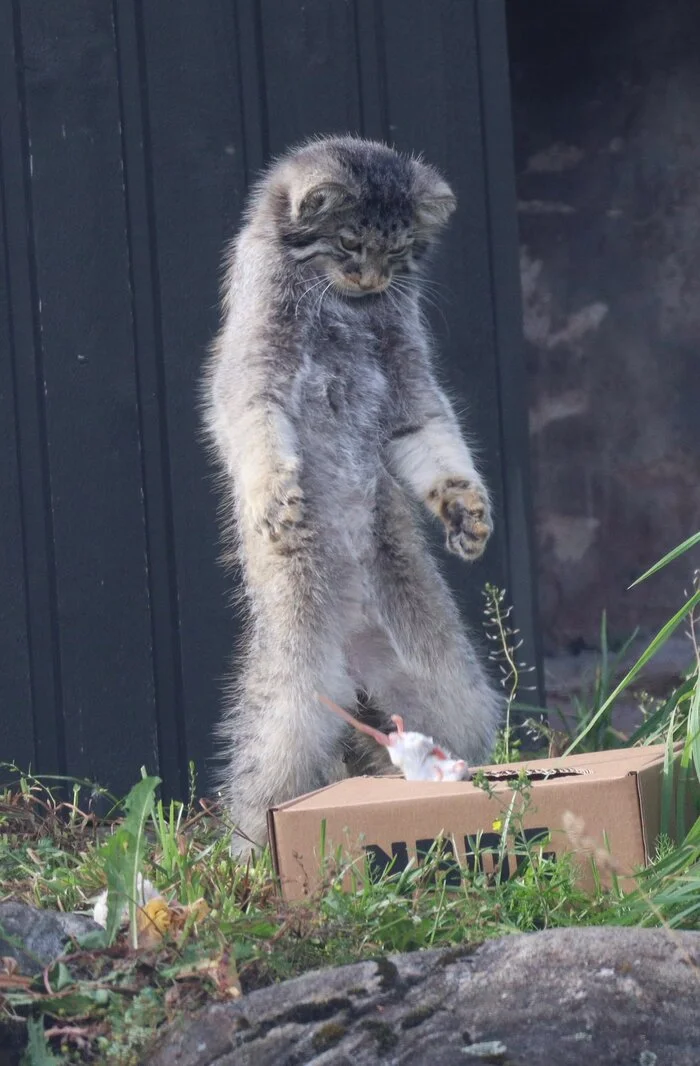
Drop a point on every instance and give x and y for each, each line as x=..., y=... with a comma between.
x=321, y=199
x=435, y=200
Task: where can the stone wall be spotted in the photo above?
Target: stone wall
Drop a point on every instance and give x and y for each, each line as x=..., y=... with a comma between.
x=606, y=103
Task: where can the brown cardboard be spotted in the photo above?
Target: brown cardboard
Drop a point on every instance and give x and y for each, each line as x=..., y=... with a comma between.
x=615, y=793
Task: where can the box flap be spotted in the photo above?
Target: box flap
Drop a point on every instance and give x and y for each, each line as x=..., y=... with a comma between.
x=307, y=795
x=633, y=757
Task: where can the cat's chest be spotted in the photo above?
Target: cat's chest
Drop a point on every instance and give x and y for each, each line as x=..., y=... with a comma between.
x=351, y=391
x=342, y=377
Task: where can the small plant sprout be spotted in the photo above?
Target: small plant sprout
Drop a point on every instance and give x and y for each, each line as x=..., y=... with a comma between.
x=506, y=643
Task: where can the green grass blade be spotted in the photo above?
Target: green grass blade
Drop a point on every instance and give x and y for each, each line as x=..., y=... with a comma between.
x=139, y=807
x=660, y=716
x=38, y=1052
x=659, y=640
x=669, y=557
x=684, y=772
x=694, y=725
x=692, y=840
x=124, y=854
x=602, y=673
x=667, y=781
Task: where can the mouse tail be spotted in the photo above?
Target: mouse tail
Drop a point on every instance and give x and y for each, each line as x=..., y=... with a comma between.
x=362, y=727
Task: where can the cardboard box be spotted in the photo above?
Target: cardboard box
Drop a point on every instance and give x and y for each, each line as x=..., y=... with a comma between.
x=616, y=794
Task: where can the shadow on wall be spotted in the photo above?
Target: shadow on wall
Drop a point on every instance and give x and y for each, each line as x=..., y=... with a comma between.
x=606, y=99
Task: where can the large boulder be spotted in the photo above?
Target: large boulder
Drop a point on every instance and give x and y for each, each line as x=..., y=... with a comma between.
x=568, y=996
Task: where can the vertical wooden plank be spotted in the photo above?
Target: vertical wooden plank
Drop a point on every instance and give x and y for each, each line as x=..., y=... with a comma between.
x=150, y=380
x=310, y=69
x=434, y=106
x=16, y=721
x=26, y=360
x=371, y=69
x=92, y=424
x=252, y=91
x=197, y=162
x=508, y=334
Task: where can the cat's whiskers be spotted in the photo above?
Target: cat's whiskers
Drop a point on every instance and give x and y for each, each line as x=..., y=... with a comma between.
x=393, y=298
x=407, y=290
x=435, y=286
x=317, y=281
x=319, y=301
x=437, y=289
x=425, y=297
x=416, y=287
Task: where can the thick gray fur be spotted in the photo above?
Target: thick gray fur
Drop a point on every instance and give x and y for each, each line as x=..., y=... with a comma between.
x=329, y=429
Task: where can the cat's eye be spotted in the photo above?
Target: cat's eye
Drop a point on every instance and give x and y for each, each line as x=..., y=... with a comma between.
x=397, y=253
x=350, y=244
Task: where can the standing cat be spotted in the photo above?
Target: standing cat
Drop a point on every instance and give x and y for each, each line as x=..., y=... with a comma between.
x=329, y=426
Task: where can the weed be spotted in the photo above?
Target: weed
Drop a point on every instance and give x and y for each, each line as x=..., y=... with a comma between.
x=505, y=645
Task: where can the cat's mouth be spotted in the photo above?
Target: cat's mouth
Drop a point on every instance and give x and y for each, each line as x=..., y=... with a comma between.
x=356, y=289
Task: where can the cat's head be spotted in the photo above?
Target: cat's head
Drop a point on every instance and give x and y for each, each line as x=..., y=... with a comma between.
x=358, y=211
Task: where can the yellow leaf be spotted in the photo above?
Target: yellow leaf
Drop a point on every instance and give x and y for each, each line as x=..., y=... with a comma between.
x=152, y=921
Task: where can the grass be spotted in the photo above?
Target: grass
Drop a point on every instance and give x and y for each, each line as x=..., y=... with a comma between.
x=103, y=1003
x=228, y=932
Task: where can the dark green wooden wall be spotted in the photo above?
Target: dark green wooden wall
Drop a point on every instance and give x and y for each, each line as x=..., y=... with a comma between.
x=129, y=132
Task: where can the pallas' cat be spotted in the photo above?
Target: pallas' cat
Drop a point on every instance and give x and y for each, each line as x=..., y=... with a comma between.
x=330, y=431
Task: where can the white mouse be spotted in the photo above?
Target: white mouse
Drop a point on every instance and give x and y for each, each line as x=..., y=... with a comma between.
x=418, y=757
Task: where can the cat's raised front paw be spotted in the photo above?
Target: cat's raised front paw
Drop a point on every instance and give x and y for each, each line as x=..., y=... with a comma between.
x=463, y=505
x=282, y=509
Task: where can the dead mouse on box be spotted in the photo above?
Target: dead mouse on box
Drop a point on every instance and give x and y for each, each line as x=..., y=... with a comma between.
x=417, y=757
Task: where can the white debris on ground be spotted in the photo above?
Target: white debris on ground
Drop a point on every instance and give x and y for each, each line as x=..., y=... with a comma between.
x=145, y=892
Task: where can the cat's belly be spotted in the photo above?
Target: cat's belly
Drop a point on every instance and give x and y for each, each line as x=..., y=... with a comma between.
x=342, y=470
x=352, y=517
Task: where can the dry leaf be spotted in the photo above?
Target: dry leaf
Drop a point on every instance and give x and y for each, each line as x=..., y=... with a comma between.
x=10, y=981
x=192, y=912
x=222, y=971
x=156, y=918
x=558, y=743
x=152, y=922
x=10, y=978
x=227, y=979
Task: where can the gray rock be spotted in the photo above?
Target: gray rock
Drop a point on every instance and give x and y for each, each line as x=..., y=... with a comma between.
x=569, y=997
x=37, y=937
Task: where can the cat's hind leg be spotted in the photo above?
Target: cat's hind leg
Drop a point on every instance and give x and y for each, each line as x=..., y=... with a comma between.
x=453, y=701
x=426, y=667
x=281, y=742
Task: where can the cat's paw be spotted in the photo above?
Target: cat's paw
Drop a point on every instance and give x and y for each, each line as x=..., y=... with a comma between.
x=463, y=505
x=281, y=506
